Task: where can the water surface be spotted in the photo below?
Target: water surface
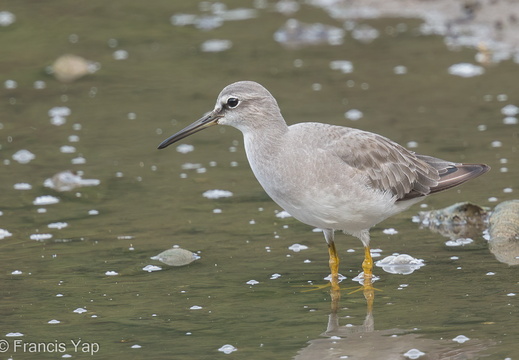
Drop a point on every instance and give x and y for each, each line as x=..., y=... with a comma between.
x=146, y=202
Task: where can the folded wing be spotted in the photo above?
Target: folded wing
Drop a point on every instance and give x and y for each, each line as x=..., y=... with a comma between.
x=389, y=166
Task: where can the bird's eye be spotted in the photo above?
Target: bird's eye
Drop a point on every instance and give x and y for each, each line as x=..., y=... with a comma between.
x=232, y=102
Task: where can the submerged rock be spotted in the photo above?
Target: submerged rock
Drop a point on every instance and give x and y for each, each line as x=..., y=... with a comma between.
x=68, y=180
x=504, y=232
x=68, y=68
x=176, y=257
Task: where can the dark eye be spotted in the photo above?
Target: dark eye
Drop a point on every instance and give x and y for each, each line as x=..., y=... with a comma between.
x=232, y=102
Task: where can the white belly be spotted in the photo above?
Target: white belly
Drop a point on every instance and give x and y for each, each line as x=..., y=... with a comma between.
x=351, y=212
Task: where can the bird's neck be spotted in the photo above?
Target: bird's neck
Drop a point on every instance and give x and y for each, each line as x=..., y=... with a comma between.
x=264, y=144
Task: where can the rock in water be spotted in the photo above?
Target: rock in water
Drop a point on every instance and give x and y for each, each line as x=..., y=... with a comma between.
x=176, y=257
x=504, y=232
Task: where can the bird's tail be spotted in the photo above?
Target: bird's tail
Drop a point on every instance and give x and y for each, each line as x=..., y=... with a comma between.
x=453, y=174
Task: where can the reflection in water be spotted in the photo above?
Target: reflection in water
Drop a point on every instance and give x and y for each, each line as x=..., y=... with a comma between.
x=461, y=220
x=468, y=221
x=100, y=238
x=364, y=342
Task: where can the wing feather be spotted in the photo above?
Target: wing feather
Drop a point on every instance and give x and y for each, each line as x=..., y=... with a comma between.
x=387, y=165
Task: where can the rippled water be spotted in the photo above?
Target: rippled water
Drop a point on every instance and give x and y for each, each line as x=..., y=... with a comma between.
x=72, y=261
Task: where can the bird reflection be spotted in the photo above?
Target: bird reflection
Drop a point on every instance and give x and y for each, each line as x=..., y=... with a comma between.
x=364, y=342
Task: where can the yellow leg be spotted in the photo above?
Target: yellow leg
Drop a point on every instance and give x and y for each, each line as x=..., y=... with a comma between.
x=334, y=266
x=367, y=264
x=369, y=293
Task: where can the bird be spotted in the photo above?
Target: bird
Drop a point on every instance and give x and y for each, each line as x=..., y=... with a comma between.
x=328, y=176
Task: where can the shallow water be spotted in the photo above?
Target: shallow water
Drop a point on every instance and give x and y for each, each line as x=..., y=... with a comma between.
x=147, y=203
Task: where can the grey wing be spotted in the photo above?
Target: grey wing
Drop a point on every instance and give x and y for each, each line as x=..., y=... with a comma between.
x=387, y=165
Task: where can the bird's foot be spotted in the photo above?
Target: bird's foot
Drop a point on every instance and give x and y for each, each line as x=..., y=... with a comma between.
x=352, y=289
x=333, y=283
x=363, y=288
x=314, y=287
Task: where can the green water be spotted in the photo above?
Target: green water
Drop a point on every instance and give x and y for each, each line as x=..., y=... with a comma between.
x=144, y=205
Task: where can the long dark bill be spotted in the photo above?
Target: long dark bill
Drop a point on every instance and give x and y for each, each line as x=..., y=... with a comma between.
x=205, y=122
